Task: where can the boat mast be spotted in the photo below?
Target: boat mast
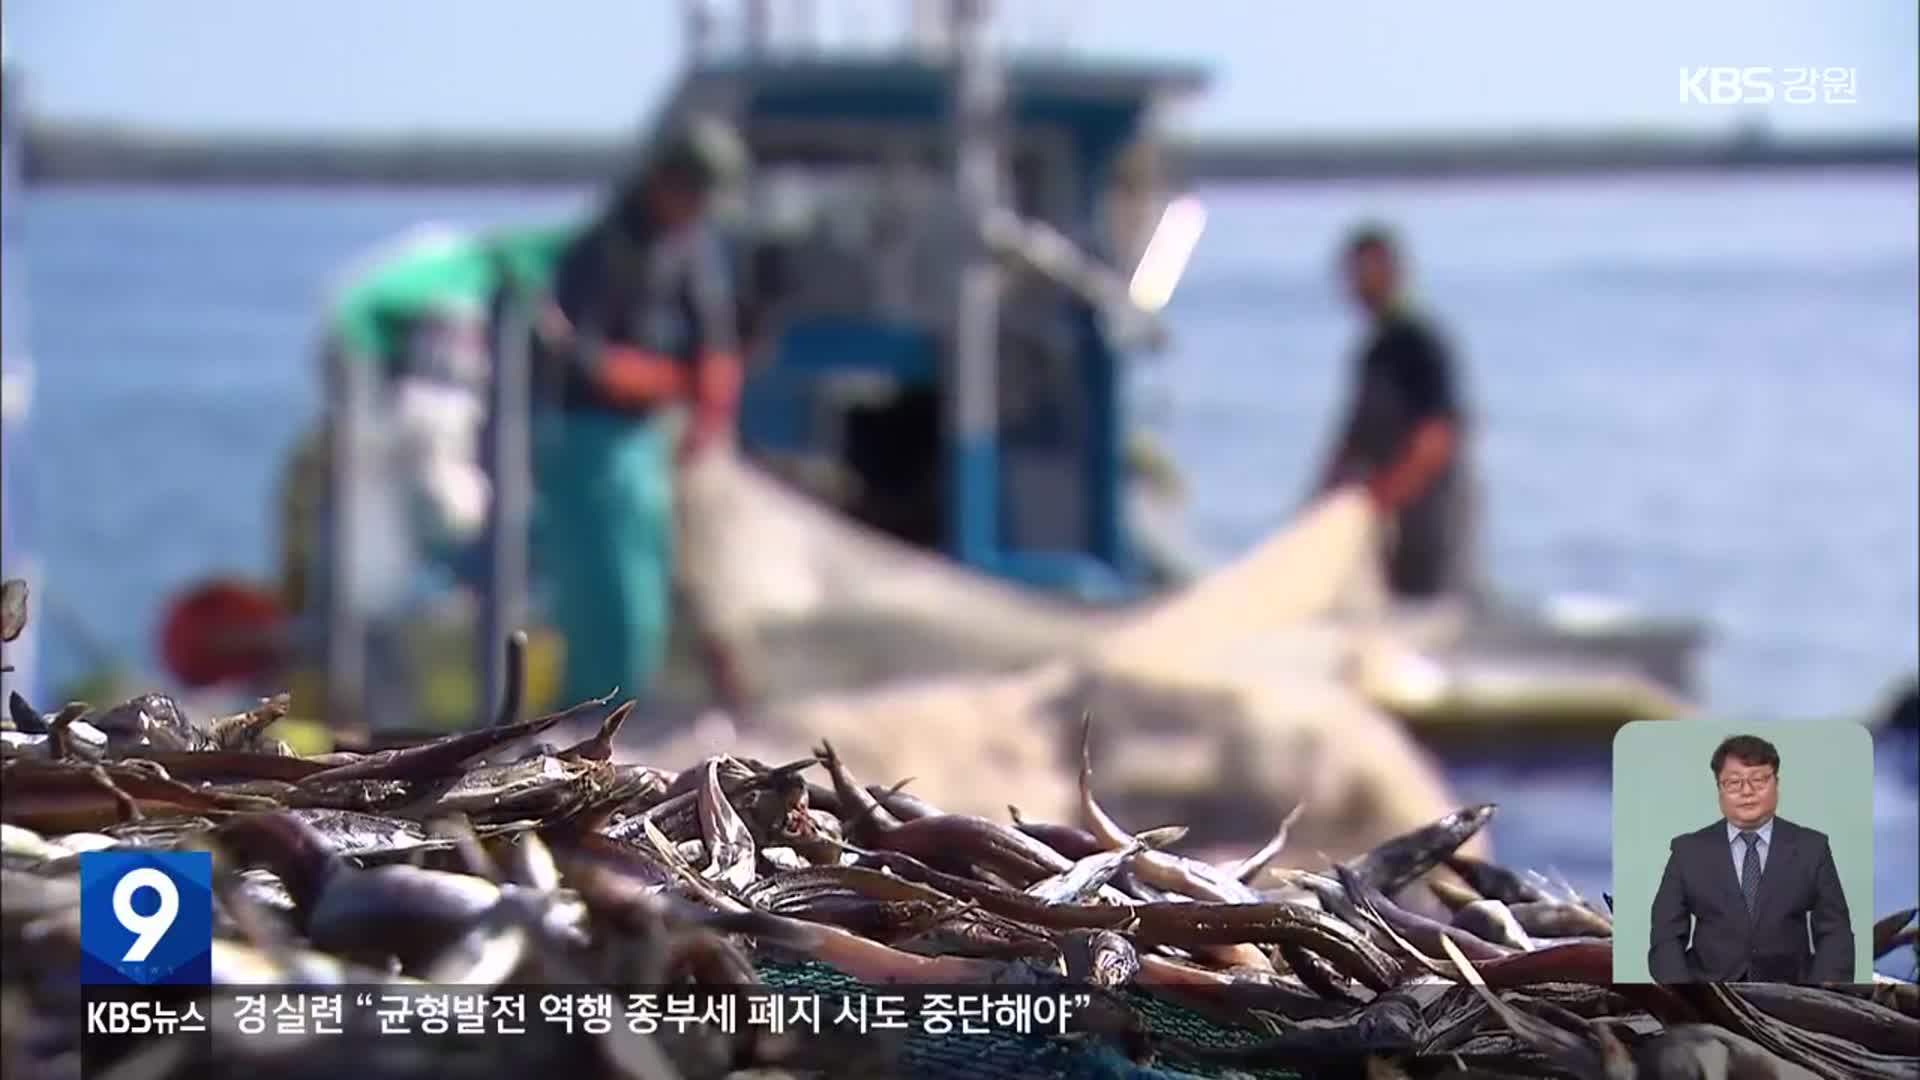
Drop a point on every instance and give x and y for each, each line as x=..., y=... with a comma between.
x=757, y=23
x=973, y=467
x=932, y=21
x=700, y=25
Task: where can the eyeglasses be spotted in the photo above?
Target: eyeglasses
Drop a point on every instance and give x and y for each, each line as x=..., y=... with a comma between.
x=1746, y=783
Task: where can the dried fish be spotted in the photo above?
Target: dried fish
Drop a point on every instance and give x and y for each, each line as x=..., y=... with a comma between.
x=1870, y=1026
x=1399, y=862
x=50, y=797
x=1069, y=841
x=1553, y=919
x=1886, y=931
x=1451, y=895
x=1422, y=932
x=447, y=753
x=483, y=859
x=153, y=721
x=1251, y=866
x=24, y=717
x=1161, y=870
x=902, y=804
x=1491, y=920
x=13, y=608
x=952, y=841
x=728, y=841
x=1085, y=878
x=1100, y=957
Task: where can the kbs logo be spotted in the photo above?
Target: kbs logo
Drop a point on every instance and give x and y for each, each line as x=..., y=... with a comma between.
x=141, y=1018
x=146, y=918
x=1765, y=85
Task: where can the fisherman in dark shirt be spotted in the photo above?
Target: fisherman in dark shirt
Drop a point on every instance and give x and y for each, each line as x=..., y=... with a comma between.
x=1406, y=432
x=642, y=354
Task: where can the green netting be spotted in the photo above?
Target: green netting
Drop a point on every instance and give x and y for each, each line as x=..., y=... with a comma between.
x=463, y=270
x=1039, y=1057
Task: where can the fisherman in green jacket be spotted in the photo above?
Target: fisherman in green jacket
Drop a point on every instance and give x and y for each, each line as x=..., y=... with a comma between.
x=644, y=357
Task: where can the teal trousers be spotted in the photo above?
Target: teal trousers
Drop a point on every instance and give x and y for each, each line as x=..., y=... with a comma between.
x=604, y=546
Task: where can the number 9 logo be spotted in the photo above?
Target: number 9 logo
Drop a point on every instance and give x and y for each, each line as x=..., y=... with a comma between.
x=149, y=930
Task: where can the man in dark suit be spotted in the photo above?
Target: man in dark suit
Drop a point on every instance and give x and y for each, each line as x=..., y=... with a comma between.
x=1749, y=887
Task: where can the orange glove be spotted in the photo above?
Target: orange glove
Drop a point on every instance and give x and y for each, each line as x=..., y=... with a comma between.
x=636, y=377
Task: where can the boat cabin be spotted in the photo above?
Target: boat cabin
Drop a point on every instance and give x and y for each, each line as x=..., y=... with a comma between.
x=860, y=248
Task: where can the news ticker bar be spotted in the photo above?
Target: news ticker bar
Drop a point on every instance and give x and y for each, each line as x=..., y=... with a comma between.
x=349, y=1024
x=390, y=1011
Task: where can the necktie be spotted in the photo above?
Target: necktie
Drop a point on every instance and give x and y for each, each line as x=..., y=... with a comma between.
x=1750, y=869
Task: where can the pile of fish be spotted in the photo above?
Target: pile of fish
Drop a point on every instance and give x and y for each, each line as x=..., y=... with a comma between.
x=491, y=858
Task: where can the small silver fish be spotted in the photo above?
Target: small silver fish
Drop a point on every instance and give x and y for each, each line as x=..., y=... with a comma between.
x=1492, y=920
x=1084, y=878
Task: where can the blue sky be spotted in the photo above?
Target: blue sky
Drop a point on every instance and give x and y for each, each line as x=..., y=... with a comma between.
x=563, y=67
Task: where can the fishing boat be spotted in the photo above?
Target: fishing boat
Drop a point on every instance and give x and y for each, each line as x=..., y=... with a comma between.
x=939, y=468
x=19, y=555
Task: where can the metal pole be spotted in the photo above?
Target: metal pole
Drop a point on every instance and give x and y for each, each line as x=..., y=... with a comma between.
x=350, y=385
x=509, y=468
x=806, y=25
x=758, y=19
x=699, y=28
x=932, y=20
x=973, y=465
x=19, y=520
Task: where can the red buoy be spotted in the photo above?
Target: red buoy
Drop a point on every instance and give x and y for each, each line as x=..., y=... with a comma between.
x=222, y=631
